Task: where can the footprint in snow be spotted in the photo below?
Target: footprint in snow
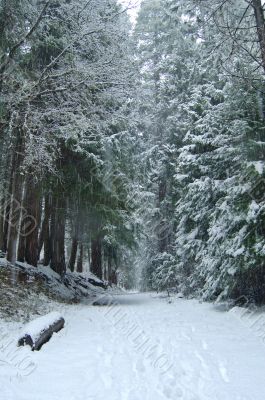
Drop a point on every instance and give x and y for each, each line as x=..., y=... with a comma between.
x=171, y=388
x=139, y=367
x=204, y=345
x=223, y=372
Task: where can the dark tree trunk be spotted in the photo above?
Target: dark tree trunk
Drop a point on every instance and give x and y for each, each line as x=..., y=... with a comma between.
x=2, y=222
x=74, y=246
x=109, y=267
x=58, y=235
x=31, y=224
x=260, y=23
x=72, y=260
x=114, y=278
x=15, y=206
x=4, y=199
x=43, y=336
x=47, y=234
x=8, y=206
x=44, y=237
x=80, y=259
x=22, y=238
x=96, y=257
x=21, y=247
x=161, y=225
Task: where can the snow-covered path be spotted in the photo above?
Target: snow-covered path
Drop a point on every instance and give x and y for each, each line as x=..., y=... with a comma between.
x=142, y=348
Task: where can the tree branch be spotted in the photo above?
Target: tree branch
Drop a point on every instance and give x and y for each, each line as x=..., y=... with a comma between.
x=13, y=50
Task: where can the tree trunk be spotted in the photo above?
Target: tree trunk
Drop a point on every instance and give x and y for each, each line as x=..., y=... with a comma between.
x=44, y=224
x=96, y=257
x=22, y=238
x=58, y=235
x=21, y=247
x=80, y=259
x=72, y=260
x=32, y=207
x=2, y=222
x=114, y=278
x=160, y=223
x=44, y=237
x=15, y=206
x=8, y=205
x=4, y=199
x=260, y=23
x=109, y=267
x=43, y=333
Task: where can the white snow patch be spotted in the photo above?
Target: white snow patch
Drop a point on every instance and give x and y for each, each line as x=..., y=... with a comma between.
x=101, y=355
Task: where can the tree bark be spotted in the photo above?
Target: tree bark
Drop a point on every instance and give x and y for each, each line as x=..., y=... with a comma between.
x=109, y=267
x=43, y=336
x=72, y=260
x=74, y=247
x=32, y=207
x=8, y=205
x=96, y=257
x=4, y=199
x=47, y=233
x=58, y=235
x=260, y=23
x=22, y=239
x=15, y=206
x=80, y=259
x=2, y=222
x=44, y=237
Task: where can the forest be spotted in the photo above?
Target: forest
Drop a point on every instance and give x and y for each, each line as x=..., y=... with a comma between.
x=132, y=199
x=135, y=149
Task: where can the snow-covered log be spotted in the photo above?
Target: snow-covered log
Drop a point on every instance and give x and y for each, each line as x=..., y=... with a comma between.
x=39, y=331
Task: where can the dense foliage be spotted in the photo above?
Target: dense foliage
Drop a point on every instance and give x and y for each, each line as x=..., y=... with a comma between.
x=66, y=77
x=136, y=152
x=201, y=64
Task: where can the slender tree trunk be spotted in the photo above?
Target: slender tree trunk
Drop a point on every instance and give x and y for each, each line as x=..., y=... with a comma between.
x=14, y=222
x=21, y=248
x=22, y=238
x=109, y=267
x=89, y=256
x=114, y=278
x=8, y=205
x=160, y=228
x=72, y=260
x=80, y=259
x=44, y=237
x=96, y=257
x=15, y=206
x=260, y=23
x=47, y=233
x=2, y=222
x=32, y=206
x=58, y=236
x=74, y=246
x=3, y=205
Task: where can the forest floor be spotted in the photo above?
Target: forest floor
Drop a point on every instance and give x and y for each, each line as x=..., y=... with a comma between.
x=140, y=347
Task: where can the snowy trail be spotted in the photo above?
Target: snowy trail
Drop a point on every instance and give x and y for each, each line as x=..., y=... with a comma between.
x=143, y=348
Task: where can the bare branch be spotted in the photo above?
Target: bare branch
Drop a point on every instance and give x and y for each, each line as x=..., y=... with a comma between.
x=13, y=50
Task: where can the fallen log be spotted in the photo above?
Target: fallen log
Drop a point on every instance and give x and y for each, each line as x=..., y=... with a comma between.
x=38, y=332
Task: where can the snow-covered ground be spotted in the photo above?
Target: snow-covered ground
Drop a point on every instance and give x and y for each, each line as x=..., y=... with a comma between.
x=139, y=348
